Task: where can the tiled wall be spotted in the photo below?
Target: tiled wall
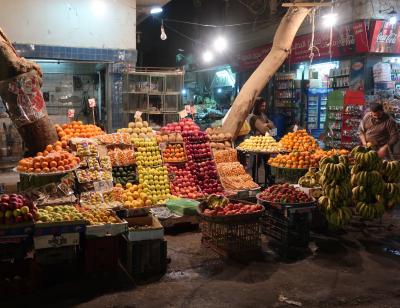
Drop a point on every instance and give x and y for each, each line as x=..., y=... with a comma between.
x=73, y=53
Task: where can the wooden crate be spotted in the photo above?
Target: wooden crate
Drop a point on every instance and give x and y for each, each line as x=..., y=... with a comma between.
x=101, y=254
x=144, y=260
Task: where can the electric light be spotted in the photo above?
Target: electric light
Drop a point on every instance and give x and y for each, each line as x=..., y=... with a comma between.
x=329, y=20
x=393, y=20
x=163, y=36
x=220, y=44
x=99, y=7
x=208, y=56
x=156, y=10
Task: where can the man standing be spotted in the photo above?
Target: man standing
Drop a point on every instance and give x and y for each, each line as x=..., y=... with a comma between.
x=379, y=130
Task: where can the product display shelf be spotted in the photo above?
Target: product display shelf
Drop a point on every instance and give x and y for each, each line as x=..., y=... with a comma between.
x=156, y=93
x=284, y=96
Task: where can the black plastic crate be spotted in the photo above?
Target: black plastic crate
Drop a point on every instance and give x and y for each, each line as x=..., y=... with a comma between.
x=233, y=239
x=290, y=227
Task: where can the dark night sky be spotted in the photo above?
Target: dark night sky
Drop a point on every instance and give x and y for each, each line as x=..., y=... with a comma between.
x=156, y=52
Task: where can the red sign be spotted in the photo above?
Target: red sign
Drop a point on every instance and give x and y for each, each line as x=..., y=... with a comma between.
x=250, y=59
x=92, y=102
x=346, y=40
x=385, y=37
x=71, y=113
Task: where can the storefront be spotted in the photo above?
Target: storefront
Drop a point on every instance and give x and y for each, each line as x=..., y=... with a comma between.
x=304, y=89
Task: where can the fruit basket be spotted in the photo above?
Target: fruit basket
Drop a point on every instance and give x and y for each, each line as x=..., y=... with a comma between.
x=285, y=198
x=46, y=173
x=226, y=219
x=236, y=235
x=288, y=175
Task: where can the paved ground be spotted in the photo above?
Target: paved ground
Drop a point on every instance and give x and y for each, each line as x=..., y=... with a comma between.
x=359, y=268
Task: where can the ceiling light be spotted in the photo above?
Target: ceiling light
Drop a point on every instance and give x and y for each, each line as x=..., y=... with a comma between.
x=220, y=44
x=156, y=10
x=208, y=56
x=329, y=20
x=393, y=20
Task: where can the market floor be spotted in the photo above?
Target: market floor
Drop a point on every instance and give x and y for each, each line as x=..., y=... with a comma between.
x=359, y=268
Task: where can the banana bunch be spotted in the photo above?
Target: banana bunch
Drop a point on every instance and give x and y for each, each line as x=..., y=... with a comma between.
x=371, y=211
x=333, y=168
x=391, y=195
x=391, y=171
x=337, y=192
x=310, y=179
x=335, y=182
x=368, y=179
x=368, y=184
x=366, y=159
x=339, y=217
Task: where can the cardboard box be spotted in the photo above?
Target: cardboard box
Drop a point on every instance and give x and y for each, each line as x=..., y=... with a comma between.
x=55, y=241
x=156, y=231
x=107, y=229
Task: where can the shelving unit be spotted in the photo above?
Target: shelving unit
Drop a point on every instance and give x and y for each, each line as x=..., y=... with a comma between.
x=333, y=124
x=284, y=96
x=339, y=78
x=317, y=110
x=156, y=92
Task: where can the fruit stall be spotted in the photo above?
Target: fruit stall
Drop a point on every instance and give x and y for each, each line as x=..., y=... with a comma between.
x=102, y=201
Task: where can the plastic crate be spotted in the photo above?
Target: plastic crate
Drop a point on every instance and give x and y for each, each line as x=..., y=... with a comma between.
x=101, y=254
x=144, y=260
x=288, y=231
x=233, y=239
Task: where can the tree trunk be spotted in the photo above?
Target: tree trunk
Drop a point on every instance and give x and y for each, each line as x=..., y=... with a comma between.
x=282, y=43
x=20, y=82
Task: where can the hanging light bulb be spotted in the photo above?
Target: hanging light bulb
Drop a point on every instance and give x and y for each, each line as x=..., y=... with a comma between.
x=393, y=20
x=163, y=36
x=329, y=20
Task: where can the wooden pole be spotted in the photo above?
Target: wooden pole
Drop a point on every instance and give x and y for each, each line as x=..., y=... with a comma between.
x=282, y=43
x=20, y=82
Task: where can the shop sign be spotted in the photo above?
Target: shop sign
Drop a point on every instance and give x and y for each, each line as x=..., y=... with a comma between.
x=71, y=113
x=385, y=37
x=250, y=59
x=92, y=102
x=138, y=114
x=346, y=40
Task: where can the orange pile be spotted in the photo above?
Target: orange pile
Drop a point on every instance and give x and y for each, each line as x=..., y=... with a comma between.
x=299, y=141
x=174, y=153
x=77, y=129
x=52, y=159
x=303, y=160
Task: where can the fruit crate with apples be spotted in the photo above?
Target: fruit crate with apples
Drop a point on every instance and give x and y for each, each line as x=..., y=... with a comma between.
x=232, y=235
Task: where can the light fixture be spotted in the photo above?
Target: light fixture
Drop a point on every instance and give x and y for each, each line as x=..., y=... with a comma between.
x=184, y=91
x=208, y=56
x=329, y=19
x=163, y=36
x=393, y=20
x=219, y=90
x=220, y=44
x=156, y=10
x=99, y=7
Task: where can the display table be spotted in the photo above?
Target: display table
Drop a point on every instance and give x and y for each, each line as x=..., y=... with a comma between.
x=257, y=158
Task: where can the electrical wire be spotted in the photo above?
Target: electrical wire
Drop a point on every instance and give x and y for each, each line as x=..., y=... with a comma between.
x=182, y=34
x=216, y=26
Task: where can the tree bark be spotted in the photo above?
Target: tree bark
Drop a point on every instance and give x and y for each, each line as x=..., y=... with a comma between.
x=282, y=43
x=20, y=82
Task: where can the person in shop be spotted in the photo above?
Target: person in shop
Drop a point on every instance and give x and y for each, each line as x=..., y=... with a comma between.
x=260, y=124
x=379, y=130
x=258, y=119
